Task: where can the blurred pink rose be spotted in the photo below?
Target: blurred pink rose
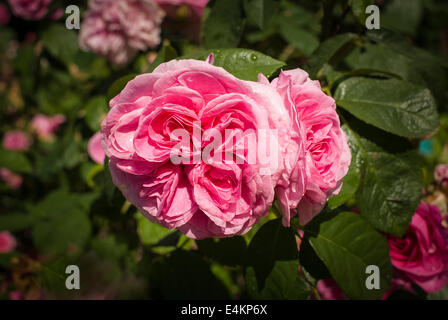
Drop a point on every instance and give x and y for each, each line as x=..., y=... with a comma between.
x=16, y=140
x=212, y=198
x=7, y=242
x=197, y=5
x=422, y=253
x=118, y=29
x=95, y=150
x=29, y=9
x=4, y=15
x=46, y=126
x=327, y=155
x=441, y=175
x=329, y=290
x=14, y=181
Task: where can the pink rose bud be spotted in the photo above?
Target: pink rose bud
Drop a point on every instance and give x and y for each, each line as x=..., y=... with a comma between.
x=7, y=242
x=4, y=15
x=422, y=253
x=14, y=181
x=182, y=185
x=29, y=9
x=16, y=140
x=95, y=150
x=45, y=126
x=118, y=29
x=324, y=149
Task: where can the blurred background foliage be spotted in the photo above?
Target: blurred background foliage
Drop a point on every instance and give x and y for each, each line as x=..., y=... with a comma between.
x=68, y=212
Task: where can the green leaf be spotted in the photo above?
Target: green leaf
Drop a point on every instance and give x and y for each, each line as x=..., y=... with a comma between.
x=299, y=38
x=377, y=57
x=16, y=221
x=260, y=12
x=119, y=85
x=63, y=222
x=272, y=243
x=391, y=183
x=150, y=233
x=185, y=275
x=439, y=295
x=349, y=187
x=227, y=251
x=166, y=54
x=347, y=244
x=60, y=42
x=359, y=9
x=395, y=106
x=96, y=110
x=14, y=161
x=109, y=248
x=245, y=64
x=403, y=15
x=223, y=26
x=330, y=51
x=282, y=283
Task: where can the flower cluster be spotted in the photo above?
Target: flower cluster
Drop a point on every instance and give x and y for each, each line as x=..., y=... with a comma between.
x=254, y=140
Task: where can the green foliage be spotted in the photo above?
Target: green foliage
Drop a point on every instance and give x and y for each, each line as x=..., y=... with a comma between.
x=242, y=63
x=223, y=26
x=395, y=106
x=347, y=244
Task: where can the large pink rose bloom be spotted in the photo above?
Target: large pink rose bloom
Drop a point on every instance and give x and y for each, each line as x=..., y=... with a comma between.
x=327, y=155
x=202, y=199
x=45, y=126
x=16, y=140
x=4, y=15
x=29, y=9
x=7, y=242
x=118, y=29
x=422, y=253
x=96, y=152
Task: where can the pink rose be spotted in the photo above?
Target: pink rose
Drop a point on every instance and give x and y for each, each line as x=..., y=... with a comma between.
x=118, y=29
x=95, y=150
x=14, y=181
x=46, y=126
x=205, y=197
x=326, y=152
x=4, y=15
x=29, y=9
x=16, y=140
x=7, y=242
x=422, y=253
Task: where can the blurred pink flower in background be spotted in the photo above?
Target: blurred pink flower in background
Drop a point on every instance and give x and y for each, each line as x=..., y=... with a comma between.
x=7, y=242
x=422, y=253
x=95, y=150
x=118, y=29
x=441, y=176
x=4, y=15
x=45, y=126
x=29, y=9
x=14, y=181
x=197, y=5
x=329, y=290
x=16, y=140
